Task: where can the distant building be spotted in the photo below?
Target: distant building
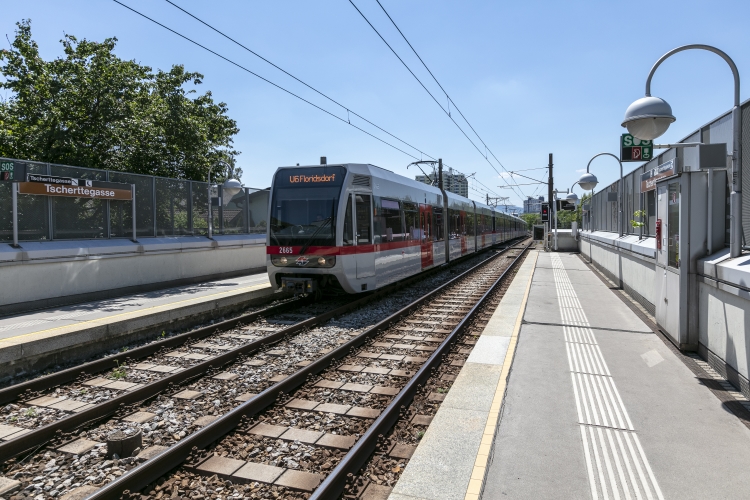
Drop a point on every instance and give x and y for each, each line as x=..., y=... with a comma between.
x=453, y=183
x=533, y=205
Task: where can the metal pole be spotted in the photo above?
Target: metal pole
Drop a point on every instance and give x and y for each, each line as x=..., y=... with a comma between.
x=735, y=197
x=132, y=194
x=591, y=227
x=621, y=196
x=14, y=196
x=555, y=215
x=710, y=212
x=550, y=182
x=210, y=217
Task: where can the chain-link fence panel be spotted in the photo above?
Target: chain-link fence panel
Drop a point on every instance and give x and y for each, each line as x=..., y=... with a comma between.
x=199, y=208
x=234, y=214
x=172, y=207
x=33, y=211
x=258, y=210
x=74, y=218
x=120, y=211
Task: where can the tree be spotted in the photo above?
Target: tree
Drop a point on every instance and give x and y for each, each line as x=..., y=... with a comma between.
x=92, y=109
x=531, y=219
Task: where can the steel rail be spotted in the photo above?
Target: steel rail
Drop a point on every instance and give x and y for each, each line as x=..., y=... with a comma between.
x=149, y=471
x=334, y=483
x=13, y=392
x=32, y=440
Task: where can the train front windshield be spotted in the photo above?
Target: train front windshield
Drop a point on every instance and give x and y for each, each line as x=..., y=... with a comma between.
x=303, y=206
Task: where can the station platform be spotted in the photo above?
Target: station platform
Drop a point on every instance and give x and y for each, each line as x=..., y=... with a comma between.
x=33, y=341
x=574, y=395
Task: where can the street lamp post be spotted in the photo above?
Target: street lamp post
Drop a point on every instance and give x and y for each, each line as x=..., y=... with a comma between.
x=649, y=117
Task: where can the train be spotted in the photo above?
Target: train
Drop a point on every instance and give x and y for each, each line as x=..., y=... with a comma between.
x=353, y=228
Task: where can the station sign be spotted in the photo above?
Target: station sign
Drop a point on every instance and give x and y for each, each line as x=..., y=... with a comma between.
x=649, y=178
x=634, y=149
x=545, y=212
x=12, y=171
x=50, y=185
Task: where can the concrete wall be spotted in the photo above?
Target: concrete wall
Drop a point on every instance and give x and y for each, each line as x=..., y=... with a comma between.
x=52, y=273
x=723, y=325
x=627, y=261
x=719, y=299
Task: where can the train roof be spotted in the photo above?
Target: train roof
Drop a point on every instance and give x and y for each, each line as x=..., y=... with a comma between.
x=385, y=174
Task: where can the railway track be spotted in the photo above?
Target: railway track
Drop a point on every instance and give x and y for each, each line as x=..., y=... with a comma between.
x=309, y=434
x=133, y=394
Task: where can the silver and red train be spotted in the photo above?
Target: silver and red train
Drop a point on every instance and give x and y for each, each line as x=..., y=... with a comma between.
x=355, y=228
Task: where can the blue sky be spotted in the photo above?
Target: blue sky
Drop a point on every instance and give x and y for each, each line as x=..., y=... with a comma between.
x=532, y=77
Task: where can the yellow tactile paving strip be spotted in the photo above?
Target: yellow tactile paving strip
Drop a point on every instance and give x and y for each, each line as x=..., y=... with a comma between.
x=483, y=455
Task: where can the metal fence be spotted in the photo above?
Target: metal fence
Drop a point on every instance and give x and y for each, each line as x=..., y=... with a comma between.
x=164, y=207
x=603, y=211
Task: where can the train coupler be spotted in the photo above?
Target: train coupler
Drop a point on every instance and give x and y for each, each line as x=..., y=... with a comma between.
x=298, y=286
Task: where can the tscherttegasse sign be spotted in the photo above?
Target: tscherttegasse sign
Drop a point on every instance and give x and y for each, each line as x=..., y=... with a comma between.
x=48, y=185
x=649, y=178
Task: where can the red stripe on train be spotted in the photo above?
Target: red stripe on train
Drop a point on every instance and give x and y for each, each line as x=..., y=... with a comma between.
x=343, y=250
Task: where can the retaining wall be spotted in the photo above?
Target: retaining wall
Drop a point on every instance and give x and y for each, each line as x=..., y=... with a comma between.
x=53, y=273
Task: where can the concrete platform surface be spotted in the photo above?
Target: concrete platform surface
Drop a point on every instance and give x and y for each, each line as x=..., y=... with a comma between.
x=452, y=457
x=597, y=405
x=26, y=340
x=40, y=321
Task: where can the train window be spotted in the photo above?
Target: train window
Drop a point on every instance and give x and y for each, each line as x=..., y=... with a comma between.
x=348, y=229
x=469, y=229
x=437, y=217
x=363, y=210
x=411, y=223
x=388, y=225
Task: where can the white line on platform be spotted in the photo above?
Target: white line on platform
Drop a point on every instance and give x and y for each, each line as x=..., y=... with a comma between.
x=602, y=415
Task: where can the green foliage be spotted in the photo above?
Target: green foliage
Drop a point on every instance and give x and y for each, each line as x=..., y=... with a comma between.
x=640, y=214
x=31, y=412
x=531, y=219
x=92, y=109
x=120, y=371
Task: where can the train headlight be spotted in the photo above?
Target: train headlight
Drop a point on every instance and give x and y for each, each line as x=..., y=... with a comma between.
x=321, y=261
x=279, y=261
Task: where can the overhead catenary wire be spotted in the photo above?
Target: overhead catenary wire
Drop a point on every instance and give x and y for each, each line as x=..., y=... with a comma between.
x=348, y=109
x=262, y=78
x=284, y=89
x=450, y=101
x=431, y=95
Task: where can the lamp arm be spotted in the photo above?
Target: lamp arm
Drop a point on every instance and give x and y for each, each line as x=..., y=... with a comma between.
x=709, y=48
x=604, y=154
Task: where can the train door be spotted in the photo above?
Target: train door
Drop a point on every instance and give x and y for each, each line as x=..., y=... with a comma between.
x=426, y=233
x=363, y=230
x=462, y=231
x=484, y=230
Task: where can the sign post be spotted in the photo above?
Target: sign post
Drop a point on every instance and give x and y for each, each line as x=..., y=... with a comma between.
x=14, y=196
x=134, y=239
x=634, y=149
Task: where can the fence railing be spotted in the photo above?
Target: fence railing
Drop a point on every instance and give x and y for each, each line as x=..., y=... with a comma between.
x=163, y=207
